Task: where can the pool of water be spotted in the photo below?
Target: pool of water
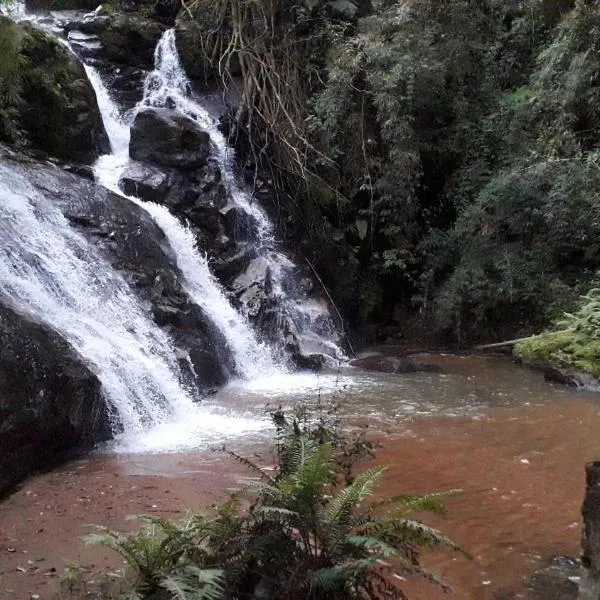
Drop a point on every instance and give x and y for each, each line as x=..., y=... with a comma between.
x=465, y=386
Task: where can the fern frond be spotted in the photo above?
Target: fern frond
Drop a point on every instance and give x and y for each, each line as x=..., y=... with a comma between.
x=249, y=464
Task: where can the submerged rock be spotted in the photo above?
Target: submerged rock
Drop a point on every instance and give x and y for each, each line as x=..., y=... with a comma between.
x=50, y=401
x=54, y=105
x=393, y=364
x=558, y=581
x=168, y=138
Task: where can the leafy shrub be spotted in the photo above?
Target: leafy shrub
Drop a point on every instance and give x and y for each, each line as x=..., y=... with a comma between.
x=309, y=532
x=574, y=342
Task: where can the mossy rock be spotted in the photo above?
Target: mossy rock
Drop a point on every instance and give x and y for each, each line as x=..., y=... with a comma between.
x=52, y=107
x=188, y=38
x=567, y=349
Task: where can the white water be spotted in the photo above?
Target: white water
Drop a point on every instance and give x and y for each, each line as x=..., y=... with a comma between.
x=251, y=357
x=52, y=273
x=311, y=321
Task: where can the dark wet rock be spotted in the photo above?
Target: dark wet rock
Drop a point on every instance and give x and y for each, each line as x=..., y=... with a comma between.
x=90, y=24
x=125, y=82
x=166, y=11
x=228, y=265
x=85, y=45
x=312, y=362
x=239, y=225
x=590, y=534
x=50, y=402
x=43, y=5
x=132, y=242
x=562, y=376
x=145, y=182
x=393, y=364
x=58, y=112
x=168, y=138
x=129, y=39
x=558, y=581
x=82, y=170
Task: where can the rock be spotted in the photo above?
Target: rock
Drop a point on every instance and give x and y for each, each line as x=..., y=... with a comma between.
x=82, y=170
x=312, y=362
x=57, y=112
x=50, y=402
x=239, y=225
x=145, y=182
x=90, y=24
x=132, y=242
x=392, y=364
x=190, y=49
x=590, y=535
x=230, y=264
x=166, y=11
x=43, y=5
x=193, y=58
x=168, y=138
x=562, y=376
x=557, y=581
x=129, y=39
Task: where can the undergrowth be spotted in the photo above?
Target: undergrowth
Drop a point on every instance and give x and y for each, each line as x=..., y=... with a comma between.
x=574, y=342
x=310, y=529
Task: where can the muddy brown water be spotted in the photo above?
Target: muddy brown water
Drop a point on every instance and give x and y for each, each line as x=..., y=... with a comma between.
x=515, y=445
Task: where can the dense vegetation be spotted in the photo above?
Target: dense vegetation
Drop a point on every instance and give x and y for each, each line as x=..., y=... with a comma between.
x=443, y=152
x=574, y=341
x=308, y=531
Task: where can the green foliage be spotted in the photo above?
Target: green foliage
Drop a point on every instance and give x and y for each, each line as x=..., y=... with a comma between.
x=524, y=241
x=309, y=531
x=574, y=343
x=440, y=153
x=11, y=66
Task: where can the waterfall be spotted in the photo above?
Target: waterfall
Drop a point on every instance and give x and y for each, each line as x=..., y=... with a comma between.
x=252, y=358
x=53, y=274
x=169, y=85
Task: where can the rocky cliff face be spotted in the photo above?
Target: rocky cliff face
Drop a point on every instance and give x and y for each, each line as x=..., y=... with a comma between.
x=50, y=400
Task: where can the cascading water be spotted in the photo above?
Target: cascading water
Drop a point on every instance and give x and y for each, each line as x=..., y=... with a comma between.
x=251, y=357
x=168, y=85
x=52, y=273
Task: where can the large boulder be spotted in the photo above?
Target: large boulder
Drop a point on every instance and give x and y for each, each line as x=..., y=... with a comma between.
x=50, y=401
x=52, y=106
x=168, y=138
x=129, y=39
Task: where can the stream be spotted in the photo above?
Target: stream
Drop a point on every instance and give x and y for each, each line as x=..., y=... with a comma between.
x=514, y=444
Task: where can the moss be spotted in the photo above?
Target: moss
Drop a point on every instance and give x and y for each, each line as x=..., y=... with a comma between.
x=11, y=67
x=568, y=348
